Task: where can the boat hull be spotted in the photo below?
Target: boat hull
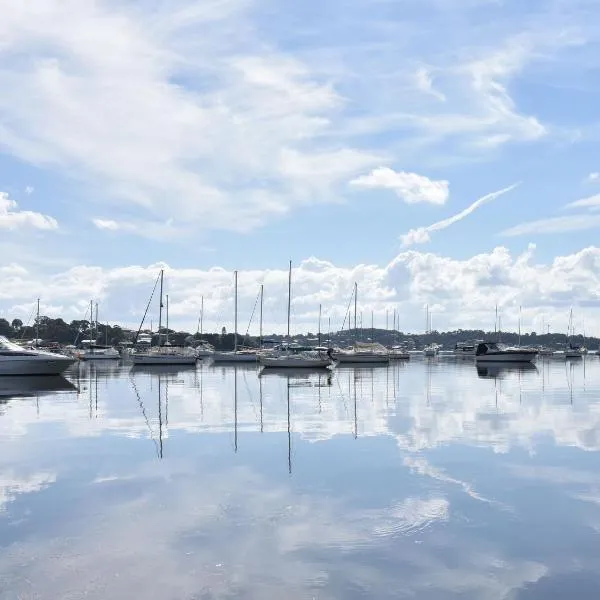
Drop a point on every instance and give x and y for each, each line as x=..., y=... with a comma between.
x=361, y=358
x=87, y=357
x=232, y=357
x=399, y=356
x=507, y=357
x=35, y=365
x=165, y=360
x=294, y=363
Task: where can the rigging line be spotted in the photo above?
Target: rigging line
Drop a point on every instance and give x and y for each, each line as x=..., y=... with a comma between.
x=252, y=315
x=28, y=321
x=146, y=312
x=141, y=403
x=346, y=316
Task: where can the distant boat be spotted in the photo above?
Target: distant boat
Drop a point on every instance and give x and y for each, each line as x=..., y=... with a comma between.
x=431, y=350
x=164, y=354
x=92, y=351
x=398, y=353
x=465, y=349
x=235, y=355
x=292, y=356
x=493, y=352
x=572, y=351
x=15, y=360
x=361, y=353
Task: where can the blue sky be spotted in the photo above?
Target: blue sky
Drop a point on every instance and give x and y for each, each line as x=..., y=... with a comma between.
x=215, y=133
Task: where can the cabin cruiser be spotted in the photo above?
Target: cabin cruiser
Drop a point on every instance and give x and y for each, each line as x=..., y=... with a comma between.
x=493, y=352
x=363, y=353
x=15, y=360
x=465, y=349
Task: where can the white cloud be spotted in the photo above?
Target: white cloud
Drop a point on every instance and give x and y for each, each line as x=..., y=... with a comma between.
x=463, y=291
x=593, y=177
x=149, y=229
x=554, y=225
x=421, y=235
x=591, y=202
x=13, y=218
x=412, y=188
x=29, y=190
x=424, y=82
x=12, y=485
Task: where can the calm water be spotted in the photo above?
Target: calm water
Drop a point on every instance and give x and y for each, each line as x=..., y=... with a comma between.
x=421, y=480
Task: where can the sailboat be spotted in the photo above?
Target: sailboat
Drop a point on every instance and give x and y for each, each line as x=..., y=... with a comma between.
x=90, y=350
x=572, y=351
x=203, y=348
x=290, y=356
x=235, y=355
x=432, y=349
x=361, y=352
x=164, y=353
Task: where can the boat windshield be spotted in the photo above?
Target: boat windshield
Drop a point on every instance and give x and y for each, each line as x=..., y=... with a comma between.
x=11, y=346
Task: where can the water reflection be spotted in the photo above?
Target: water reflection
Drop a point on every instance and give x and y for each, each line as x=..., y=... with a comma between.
x=460, y=482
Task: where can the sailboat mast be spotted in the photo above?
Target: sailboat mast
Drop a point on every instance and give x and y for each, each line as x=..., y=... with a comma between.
x=160, y=307
x=319, y=325
x=37, y=324
x=260, y=338
x=91, y=320
x=201, y=316
x=235, y=311
x=355, y=308
x=519, y=326
x=496, y=334
x=289, y=301
x=167, y=334
x=96, y=322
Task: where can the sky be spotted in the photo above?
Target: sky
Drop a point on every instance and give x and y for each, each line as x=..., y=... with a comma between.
x=437, y=152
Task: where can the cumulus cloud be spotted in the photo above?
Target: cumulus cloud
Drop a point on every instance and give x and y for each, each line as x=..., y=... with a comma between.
x=463, y=290
x=422, y=235
x=411, y=187
x=13, y=218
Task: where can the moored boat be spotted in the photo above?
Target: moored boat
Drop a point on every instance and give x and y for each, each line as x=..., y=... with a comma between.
x=493, y=352
x=15, y=360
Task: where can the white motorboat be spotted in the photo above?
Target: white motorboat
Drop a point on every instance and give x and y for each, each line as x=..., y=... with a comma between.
x=97, y=352
x=465, y=349
x=493, y=352
x=15, y=360
x=363, y=353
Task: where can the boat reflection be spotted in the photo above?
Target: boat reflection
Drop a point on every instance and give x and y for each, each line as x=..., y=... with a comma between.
x=489, y=371
x=16, y=386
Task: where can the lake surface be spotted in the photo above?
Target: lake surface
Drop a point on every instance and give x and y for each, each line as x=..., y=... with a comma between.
x=424, y=480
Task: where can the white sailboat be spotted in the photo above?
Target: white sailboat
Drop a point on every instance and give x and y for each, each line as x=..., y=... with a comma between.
x=203, y=348
x=90, y=350
x=433, y=349
x=572, y=351
x=164, y=354
x=291, y=356
x=361, y=353
x=235, y=355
